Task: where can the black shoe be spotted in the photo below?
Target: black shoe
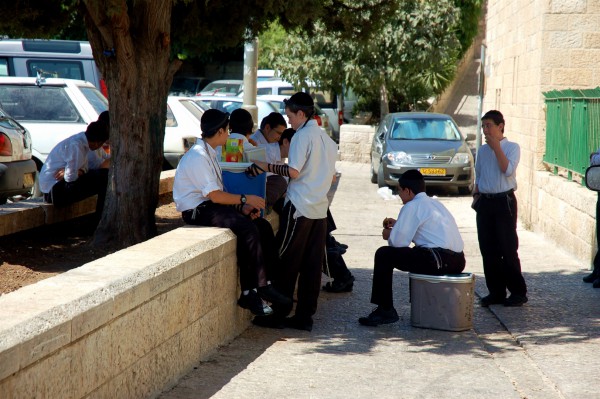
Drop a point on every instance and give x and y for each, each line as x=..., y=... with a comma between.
x=270, y=294
x=590, y=278
x=491, y=300
x=254, y=303
x=596, y=283
x=380, y=316
x=268, y=322
x=515, y=300
x=340, y=285
x=298, y=323
x=339, y=244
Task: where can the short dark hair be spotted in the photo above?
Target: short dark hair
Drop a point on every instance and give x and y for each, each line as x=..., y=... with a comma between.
x=301, y=102
x=287, y=134
x=241, y=121
x=273, y=119
x=413, y=180
x=495, y=116
x=104, y=117
x=97, y=132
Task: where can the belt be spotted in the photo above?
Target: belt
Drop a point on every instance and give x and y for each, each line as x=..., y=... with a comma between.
x=496, y=195
x=446, y=251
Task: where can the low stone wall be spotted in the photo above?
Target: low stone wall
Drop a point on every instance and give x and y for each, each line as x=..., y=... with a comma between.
x=355, y=143
x=126, y=325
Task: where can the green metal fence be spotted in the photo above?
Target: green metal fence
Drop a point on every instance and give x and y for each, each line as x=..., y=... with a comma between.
x=572, y=128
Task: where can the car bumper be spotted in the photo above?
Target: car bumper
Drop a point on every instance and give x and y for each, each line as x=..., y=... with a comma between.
x=455, y=175
x=16, y=178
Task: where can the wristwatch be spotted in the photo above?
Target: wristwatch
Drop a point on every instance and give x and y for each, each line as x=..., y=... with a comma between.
x=242, y=199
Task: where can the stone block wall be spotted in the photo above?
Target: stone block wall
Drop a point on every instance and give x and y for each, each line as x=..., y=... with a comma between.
x=533, y=47
x=355, y=143
x=126, y=325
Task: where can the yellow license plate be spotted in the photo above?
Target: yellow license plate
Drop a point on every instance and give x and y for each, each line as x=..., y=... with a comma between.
x=433, y=171
x=28, y=180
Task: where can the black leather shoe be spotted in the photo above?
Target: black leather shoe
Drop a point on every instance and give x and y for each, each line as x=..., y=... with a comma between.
x=255, y=304
x=596, y=283
x=515, y=300
x=340, y=285
x=270, y=294
x=491, y=300
x=590, y=278
x=380, y=316
x=298, y=323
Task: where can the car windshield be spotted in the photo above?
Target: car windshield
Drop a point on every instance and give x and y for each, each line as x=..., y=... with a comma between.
x=97, y=99
x=424, y=129
x=222, y=88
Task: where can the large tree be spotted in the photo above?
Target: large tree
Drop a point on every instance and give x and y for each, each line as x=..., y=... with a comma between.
x=408, y=56
x=134, y=43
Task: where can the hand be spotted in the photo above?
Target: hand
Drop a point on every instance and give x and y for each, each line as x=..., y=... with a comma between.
x=388, y=223
x=255, y=169
x=385, y=233
x=60, y=174
x=255, y=201
x=250, y=211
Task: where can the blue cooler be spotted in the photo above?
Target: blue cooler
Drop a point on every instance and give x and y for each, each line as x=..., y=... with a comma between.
x=236, y=181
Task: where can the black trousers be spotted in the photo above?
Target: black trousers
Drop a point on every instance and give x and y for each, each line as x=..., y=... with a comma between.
x=597, y=257
x=275, y=189
x=256, y=251
x=431, y=261
x=498, y=243
x=91, y=183
x=301, y=250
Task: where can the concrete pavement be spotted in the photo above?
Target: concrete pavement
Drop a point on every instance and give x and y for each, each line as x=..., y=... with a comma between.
x=549, y=348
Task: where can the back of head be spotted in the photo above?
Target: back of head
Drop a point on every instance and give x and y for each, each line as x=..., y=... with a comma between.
x=273, y=119
x=212, y=120
x=301, y=102
x=413, y=180
x=241, y=121
x=104, y=117
x=287, y=135
x=97, y=132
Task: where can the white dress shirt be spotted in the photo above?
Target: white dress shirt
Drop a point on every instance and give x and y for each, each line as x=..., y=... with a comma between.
x=198, y=174
x=71, y=155
x=426, y=222
x=488, y=176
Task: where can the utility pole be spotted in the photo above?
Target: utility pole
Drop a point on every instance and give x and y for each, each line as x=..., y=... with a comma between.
x=250, y=68
x=480, y=90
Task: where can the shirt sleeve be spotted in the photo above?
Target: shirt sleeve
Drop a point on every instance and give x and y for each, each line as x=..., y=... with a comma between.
x=405, y=228
x=513, y=153
x=75, y=159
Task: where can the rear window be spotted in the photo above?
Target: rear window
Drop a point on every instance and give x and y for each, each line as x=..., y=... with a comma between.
x=56, y=69
x=96, y=98
x=38, y=104
x=325, y=99
x=286, y=91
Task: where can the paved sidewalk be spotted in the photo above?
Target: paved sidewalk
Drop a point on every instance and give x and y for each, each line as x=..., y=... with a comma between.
x=549, y=348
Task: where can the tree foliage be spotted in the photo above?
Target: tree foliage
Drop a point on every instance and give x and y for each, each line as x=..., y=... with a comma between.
x=411, y=54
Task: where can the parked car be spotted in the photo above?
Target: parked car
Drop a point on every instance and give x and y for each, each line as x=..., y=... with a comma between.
x=230, y=87
x=228, y=104
x=17, y=169
x=67, y=59
x=187, y=85
x=431, y=143
x=274, y=86
x=321, y=118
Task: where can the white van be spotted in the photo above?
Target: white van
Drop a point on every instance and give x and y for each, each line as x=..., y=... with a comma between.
x=50, y=59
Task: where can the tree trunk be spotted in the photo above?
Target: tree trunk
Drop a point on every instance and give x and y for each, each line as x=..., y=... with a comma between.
x=132, y=49
x=384, y=105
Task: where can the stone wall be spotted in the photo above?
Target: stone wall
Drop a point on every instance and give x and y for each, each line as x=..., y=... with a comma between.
x=126, y=325
x=355, y=142
x=533, y=47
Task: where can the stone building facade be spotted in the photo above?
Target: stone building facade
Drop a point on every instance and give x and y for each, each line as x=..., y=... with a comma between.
x=533, y=47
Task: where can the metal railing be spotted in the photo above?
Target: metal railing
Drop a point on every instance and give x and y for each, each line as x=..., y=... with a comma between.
x=572, y=128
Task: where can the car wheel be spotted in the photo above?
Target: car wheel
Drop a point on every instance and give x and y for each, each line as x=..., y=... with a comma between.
x=380, y=179
x=373, y=174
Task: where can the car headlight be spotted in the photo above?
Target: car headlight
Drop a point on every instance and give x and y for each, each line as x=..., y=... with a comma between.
x=460, y=157
x=398, y=157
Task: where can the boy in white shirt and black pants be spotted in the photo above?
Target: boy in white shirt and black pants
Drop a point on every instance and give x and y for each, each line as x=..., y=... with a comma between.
x=303, y=220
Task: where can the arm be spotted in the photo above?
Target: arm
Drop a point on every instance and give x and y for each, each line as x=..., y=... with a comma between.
x=494, y=144
x=221, y=197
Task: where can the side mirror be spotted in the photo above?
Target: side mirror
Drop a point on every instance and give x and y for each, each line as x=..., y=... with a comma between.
x=470, y=137
x=592, y=178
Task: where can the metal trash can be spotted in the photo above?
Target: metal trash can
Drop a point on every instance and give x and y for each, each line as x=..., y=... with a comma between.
x=442, y=302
